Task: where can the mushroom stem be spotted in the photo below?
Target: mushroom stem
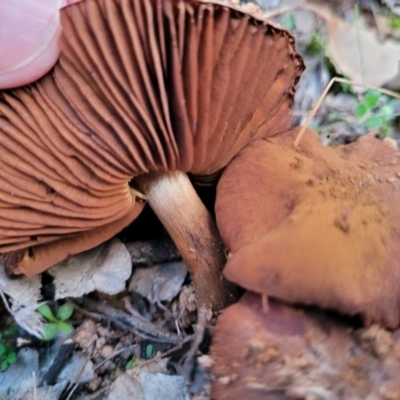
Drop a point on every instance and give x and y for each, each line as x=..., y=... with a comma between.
x=177, y=205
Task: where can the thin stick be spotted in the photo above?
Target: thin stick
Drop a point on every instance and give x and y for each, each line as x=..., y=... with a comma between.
x=130, y=348
x=357, y=12
x=34, y=385
x=322, y=97
x=166, y=353
x=76, y=383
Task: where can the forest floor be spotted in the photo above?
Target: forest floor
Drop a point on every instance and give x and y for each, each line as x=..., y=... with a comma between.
x=139, y=335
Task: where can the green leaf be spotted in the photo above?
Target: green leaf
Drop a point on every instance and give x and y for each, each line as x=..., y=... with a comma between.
x=11, y=330
x=373, y=122
x=149, y=351
x=4, y=365
x=65, y=311
x=11, y=358
x=2, y=349
x=50, y=331
x=386, y=111
x=371, y=98
x=360, y=110
x=45, y=310
x=64, y=327
x=287, y=21
x=130, y=363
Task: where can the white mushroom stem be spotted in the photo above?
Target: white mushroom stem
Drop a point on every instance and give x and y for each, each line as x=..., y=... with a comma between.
x=177, y=205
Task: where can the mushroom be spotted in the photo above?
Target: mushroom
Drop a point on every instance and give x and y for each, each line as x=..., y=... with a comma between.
x=317, y=225
x=167, y=88
x=56, y=184
x=292, y=353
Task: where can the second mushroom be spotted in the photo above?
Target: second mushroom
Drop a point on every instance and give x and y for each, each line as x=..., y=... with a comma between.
x=315, y=225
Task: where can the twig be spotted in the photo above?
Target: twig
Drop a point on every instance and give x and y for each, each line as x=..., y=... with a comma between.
x=63, y=355
x=357, y=13
x=166, y=353
x=76, y=383
x=6, y=303
x=323, y=95
x=101, y=317
x=198, y=337
x=34, y=385
x=282, y=10
x=129, y=320
x=133, y=311
x=131, y=347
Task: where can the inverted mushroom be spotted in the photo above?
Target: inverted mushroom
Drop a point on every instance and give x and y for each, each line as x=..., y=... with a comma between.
x=315, y=225
x=166, y=88
x=56, y=184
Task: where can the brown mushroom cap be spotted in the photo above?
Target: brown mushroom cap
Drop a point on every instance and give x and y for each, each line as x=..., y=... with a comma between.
x=315, y=226
x=289, y=353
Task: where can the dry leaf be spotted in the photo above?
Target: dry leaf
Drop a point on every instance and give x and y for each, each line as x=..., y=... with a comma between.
x=105, y=268
x=18, y=383
x=357, y=52
x=149, y=382
x=394, y=5
x=160, y=282
x=24, y=295
x=23, y=291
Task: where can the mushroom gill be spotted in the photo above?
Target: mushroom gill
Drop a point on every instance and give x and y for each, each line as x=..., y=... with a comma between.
x=317, y=225
x=56, y=183
x=167, y=88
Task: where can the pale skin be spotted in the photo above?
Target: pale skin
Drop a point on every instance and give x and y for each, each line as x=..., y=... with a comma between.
x=29, y=31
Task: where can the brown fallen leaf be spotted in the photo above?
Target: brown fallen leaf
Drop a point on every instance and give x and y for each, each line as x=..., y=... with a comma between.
x=357, y=51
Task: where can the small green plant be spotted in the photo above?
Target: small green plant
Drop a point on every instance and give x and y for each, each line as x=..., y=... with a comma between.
x=288, y=22
x=8, y=354
x=376, y=112
x=130, y=363
x=316, y=44
x=394, y=21
x=55, y=324
x=149, y=351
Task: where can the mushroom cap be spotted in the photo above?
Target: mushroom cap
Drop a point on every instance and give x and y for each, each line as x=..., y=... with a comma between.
x=140, y=86
x=315, y=226
x=175, y=85
x=288, y=353
x=56, y=181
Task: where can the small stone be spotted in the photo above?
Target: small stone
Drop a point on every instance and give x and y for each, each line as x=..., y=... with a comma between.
x=107, y=351
x=224, y=380
x=85, y=335
x=205, y=361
